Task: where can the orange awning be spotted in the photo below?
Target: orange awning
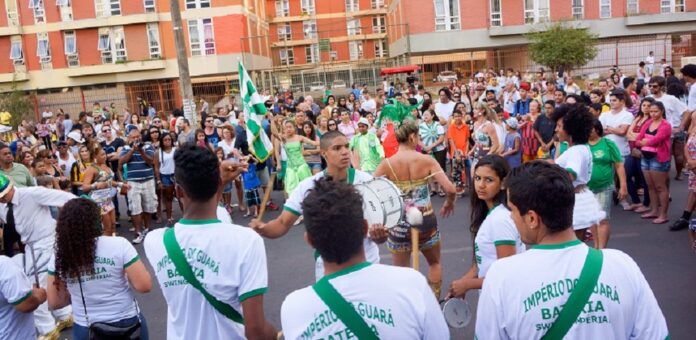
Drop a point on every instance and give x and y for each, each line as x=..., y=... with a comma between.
x=400, y=69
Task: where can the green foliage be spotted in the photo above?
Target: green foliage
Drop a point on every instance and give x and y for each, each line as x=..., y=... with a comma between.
x=18, y=104
x=560, y=45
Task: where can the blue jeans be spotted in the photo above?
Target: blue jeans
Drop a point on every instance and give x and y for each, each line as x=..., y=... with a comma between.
x=634, y=179
x=82, y=333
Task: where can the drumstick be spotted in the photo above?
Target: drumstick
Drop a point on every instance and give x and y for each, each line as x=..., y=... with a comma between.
x=266, y=196
x=414, y=248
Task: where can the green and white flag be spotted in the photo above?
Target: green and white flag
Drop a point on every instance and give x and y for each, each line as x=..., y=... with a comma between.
x=254, y=111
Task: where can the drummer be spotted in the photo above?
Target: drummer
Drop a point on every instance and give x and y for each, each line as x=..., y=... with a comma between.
x=494, y=232
x=410, y=170
x=390, y=302
x=335, y=149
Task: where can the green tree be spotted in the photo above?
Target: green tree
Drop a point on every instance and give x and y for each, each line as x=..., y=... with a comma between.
x=560, y=45
x=18, y=104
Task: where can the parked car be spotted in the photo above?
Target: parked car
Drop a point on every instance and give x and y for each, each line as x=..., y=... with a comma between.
x=446, y=76
x=316, y=86
x=338, y=84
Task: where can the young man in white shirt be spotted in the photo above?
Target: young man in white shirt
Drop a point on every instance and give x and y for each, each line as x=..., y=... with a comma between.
x=368, y=104
x=445, y=106
x=616, y=123
x=678, y=115
x=227, y=260
x=379, y=301
x=335, y=148
x=527, y=296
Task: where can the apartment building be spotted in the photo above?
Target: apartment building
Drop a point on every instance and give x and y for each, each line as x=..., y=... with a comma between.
x=304, y=33
x=465, y=35
x=75, y=52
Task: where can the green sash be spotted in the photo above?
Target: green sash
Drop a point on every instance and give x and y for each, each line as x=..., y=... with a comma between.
x=343, y=310
x=579, y=297
x=182, y=266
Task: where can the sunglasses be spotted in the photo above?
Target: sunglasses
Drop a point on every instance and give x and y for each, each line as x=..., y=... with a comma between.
x=332, y=124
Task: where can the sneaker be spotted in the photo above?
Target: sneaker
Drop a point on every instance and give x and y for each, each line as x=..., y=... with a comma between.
x=139, y=239
x=679, y=225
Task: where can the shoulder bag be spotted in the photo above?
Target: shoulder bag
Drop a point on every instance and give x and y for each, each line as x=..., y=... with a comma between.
x=182, y=266
x=106, y=331
x=579, y=297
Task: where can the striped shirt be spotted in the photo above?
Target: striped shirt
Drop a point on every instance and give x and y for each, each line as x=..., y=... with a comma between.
x=138, y=170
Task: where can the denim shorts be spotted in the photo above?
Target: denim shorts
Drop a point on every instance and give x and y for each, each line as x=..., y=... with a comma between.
x=651, y=164
x=167, y=180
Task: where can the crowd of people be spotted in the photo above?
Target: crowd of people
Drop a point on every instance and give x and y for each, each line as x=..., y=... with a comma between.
x=512, y=143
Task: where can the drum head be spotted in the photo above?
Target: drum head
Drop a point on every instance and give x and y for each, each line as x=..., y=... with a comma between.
x=457, y=313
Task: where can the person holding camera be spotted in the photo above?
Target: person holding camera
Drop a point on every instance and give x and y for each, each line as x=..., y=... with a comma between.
x=138, y=158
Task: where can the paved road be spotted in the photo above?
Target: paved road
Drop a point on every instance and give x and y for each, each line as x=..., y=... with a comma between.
x=663, y=256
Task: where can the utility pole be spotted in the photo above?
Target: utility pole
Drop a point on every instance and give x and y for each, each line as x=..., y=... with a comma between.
x=182, y=61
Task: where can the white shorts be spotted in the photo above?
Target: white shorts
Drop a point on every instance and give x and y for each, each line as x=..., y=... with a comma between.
x=586, y=211
x=142, y=197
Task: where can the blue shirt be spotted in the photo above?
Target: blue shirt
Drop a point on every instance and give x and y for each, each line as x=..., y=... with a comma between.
x=515, y=159
x=137, y=169
x=521, y=107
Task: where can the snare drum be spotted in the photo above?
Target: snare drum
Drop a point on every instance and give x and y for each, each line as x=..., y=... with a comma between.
x=382, y=202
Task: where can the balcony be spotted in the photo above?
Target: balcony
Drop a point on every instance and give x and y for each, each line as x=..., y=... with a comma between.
x=499, y=31
x=6, y=31
x=661, y=18
x=301, y=42
x=13, y=77
x=116, y=20
x=128, y=66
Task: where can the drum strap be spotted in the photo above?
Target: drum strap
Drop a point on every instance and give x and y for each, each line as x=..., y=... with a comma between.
x=182, y=266
x=343, y=309
x=579, y=297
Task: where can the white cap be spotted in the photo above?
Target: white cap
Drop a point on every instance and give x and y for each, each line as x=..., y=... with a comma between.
x=76, y=136
x=364, y=121
x=512, y=123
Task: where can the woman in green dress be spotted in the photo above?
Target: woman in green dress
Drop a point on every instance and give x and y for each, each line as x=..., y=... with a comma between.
x=296, y=168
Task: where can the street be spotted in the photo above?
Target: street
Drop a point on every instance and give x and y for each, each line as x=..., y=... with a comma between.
x=663, y=256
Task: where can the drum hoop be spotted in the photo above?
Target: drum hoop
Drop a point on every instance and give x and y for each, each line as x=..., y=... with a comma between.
x=400, y=196
x=451, y=303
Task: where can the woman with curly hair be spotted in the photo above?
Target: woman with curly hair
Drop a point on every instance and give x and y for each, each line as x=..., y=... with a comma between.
x=99, y=184
x=574, y=125
x=92, y=272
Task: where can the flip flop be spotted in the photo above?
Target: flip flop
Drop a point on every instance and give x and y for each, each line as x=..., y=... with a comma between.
x=648, y=216
x=641, y=210
x=660, y=221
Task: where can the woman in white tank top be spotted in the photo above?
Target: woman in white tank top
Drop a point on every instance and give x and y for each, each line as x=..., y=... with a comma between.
x=164, y=173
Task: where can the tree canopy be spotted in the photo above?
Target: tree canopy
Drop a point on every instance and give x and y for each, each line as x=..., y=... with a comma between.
x=560, y=45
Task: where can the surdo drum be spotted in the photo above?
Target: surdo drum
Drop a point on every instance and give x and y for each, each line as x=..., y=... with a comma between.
x=382, y=202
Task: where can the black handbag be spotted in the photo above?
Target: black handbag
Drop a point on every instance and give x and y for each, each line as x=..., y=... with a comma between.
x=106, y=331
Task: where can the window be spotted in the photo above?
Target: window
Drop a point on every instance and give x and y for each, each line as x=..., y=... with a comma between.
x=65, y=8
x=352, y=5
x=201, y=37
x=536, y=11
x=312, y=54
x=149, y=6
x=107, y=8
x=354, y=26
x=284, y=32
x=496, y=13
x=605, y=9
x=70, y=42
x=193, y=4
x=12, y=16
x=308, y=7
x=377, y=4
x=356, y=50
x=309, y=28
x=112, y=44
x=282, y=8
x=671, y=6
x=37, y=7
x=153, y=39
x=379, y=24
x=16, y=53
x=578, y=9
x=446, y=15
x=43, y=50
x=287, y=56
x=381, y=48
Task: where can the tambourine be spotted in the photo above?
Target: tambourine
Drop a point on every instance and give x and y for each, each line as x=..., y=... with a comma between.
x=457, y=312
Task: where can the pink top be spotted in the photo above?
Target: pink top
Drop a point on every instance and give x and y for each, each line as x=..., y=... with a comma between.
x=661, y=141
x=347, y=129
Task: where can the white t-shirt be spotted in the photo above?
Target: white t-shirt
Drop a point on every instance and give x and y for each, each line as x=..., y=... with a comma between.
x=396, y=302
x=674, y=108
x=369, y=105
x=444, y=110
x=223, y=215
x=294, y=205
x=614, y=120
x=578, y=161
x=15, y=287
x=229, y=260
x=522, y=295
x=509, y=100
x=692, y=97
x=66, y=165
x=106, y=292
x=497, y=229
